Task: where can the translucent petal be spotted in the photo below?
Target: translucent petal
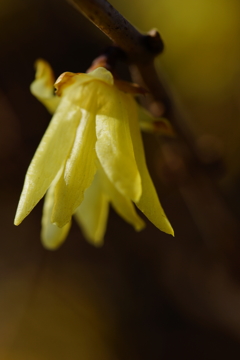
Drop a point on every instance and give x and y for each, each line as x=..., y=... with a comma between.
x=51, y=235
x=148, y=203
x=92, y=214
x=70, y=83
x=122, y=205
x=42, y=87
x=114, y=145
x=102, y=74
x=49, y=157
x=78, y=173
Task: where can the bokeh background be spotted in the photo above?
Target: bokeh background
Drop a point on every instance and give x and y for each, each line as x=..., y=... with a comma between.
x=142, y=295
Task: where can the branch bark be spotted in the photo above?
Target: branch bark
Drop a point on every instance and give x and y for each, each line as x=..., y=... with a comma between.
x=139, y=47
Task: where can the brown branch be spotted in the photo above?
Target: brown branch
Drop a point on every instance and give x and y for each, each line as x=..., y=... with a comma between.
x=139, y=47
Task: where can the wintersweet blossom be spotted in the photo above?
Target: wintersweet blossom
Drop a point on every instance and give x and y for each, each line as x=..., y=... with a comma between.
x=90, y=156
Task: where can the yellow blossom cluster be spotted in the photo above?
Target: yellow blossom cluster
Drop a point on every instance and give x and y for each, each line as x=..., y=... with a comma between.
x=90, y=156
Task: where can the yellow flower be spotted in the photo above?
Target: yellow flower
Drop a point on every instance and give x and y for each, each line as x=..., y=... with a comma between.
x=91, y=155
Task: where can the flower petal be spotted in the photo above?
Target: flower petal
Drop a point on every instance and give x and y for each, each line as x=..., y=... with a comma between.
x=122, y=205
x=49, y=157
x=92, y=214
x=51, y=235
x=102, y=74
x=78, y=173
x=148, y=203
x=42, y=87
x=70, y=83
x=114, y=145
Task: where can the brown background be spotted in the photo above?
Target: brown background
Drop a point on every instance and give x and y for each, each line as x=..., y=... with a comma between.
x=142, y=295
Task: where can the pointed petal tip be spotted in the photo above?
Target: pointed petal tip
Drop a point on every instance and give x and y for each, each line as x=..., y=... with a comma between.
x=140, y=226
x=98, y=243
x=96, y=239
x=23, y=210
x=19, y=218
x=16, y=222
x=169, y=230
x=52, y=236
x=48, y=246
x=44, y=70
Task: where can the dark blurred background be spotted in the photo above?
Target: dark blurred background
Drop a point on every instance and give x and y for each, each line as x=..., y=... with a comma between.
x=142, y=295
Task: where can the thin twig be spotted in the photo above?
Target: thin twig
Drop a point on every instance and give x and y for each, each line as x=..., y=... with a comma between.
x=139, y=47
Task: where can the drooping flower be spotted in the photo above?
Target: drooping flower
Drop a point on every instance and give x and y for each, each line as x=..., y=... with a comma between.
x=91, y=155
